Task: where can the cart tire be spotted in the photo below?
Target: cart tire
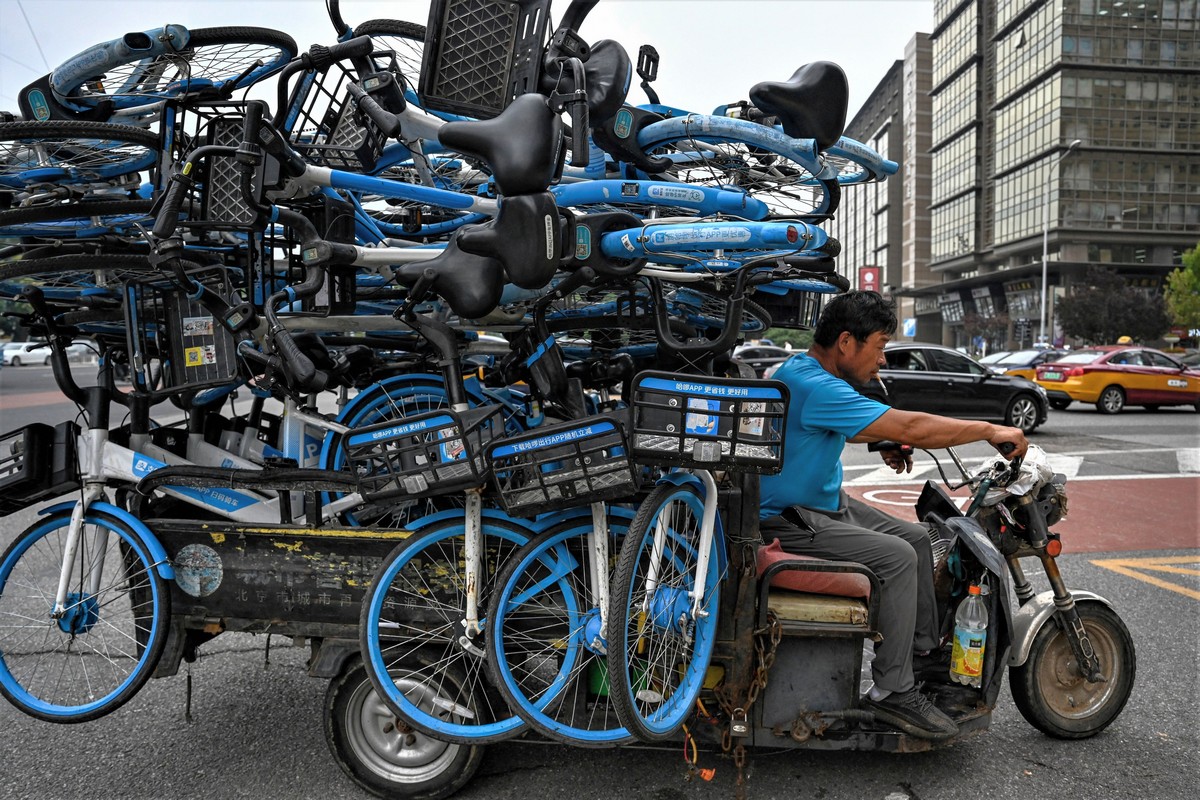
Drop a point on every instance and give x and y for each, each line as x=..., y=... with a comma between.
x=1051, y=694
x=104, y=649
x=382, y=755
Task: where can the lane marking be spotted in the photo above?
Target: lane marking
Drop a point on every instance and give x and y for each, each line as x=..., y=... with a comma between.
x=1130, y=566
x=1189, y=459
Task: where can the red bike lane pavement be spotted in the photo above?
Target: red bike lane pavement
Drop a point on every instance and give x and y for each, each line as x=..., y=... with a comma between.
x=1103, y=515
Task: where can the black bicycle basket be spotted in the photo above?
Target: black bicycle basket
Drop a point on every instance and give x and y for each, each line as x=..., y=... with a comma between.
x=325, y=125
x=437, y=452
x=481, y=54
x=714, y=423
x=175, y=344
x=556, y=466
x=37, y=462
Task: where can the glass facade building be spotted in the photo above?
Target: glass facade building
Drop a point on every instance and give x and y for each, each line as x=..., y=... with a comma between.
x=1076, y=117
x=886, y=225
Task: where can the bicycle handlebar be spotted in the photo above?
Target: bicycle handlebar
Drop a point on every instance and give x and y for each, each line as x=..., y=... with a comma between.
x=388, y=122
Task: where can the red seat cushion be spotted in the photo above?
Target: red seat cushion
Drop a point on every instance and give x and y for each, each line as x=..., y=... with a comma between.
x=840, y=584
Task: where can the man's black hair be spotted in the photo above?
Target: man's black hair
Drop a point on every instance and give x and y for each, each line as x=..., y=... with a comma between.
x=860, y=313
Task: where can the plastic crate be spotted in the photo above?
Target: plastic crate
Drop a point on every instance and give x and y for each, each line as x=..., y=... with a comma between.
x=795, y=310
x=37, y=462
x=713, y=423
x=552, y=467
x=324, y=124
x=175, y=344
x=437, y=452
x=481, y=54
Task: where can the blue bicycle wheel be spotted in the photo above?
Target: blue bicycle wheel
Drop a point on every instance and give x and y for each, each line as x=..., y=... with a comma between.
x=416, y=609
x=658, y=651
x=72, y=152
x=545, y=640
x=101, y=652
x=761, y=161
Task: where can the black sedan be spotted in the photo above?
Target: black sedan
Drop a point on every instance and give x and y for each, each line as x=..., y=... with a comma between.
x=762, y=357
x=938, y=380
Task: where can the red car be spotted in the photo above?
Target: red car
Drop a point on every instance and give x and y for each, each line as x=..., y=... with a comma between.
x=1113, y=377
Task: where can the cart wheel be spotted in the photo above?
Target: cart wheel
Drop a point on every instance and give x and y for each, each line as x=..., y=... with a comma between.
x=1052, y=695
x=381, y=754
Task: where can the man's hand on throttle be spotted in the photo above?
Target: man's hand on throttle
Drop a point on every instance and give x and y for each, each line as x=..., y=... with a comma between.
x=1012, y=436
x=899, y=459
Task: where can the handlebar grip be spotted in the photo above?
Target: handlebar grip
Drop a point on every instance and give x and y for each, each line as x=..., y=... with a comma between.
x=1005, y=448
x=388, y=122
x=580, y=146
x=881, y=446
x=319, y=56
x=572, y=282
x=302, y=373
x=168, y=215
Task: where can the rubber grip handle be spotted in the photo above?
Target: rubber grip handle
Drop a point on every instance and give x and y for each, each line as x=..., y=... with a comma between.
x=320, y=56
x=168, y=215
x=302, y=374
x=388, y=122
x=580, y=146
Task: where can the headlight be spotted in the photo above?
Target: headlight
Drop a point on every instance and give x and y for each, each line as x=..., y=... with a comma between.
x=1040, y=389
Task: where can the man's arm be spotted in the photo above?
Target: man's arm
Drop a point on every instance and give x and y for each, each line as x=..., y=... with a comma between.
x=931, y=431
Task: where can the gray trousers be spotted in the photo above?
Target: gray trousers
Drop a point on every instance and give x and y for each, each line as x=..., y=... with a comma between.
x=899, y=554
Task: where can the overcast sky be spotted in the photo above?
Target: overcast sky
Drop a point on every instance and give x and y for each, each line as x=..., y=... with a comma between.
x=712, y=51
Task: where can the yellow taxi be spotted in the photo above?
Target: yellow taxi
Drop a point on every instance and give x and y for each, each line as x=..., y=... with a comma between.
x=1114, y=377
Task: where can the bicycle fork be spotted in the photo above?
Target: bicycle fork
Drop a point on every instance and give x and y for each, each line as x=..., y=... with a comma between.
x=91, y=443
x=704, y=548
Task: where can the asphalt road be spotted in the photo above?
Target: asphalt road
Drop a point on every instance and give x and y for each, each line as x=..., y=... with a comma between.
x=255, y=728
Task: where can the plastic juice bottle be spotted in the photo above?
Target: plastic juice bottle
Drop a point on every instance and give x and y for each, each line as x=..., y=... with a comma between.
x=970, y=637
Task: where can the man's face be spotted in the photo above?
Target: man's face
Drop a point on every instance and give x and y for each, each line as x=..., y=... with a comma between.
x=861, y=361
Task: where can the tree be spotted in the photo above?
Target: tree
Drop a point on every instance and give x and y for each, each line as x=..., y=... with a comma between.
x=1105, y=308
x=1182, y=292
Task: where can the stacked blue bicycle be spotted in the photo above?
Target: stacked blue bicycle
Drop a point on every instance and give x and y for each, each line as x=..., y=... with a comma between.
x=521, y=294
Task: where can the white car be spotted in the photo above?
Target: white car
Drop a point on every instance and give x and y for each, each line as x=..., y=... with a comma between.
x=17, y=354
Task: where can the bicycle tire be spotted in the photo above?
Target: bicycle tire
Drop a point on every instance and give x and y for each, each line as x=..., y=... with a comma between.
x=754, y=158
x=215, y=55
x=656, y=667
x=541, y=658
x=72, y=151
x=405, y=39
x=83, y=210
x=74, y=272
x=125, y=623
x=704, y=309
x=418, y=591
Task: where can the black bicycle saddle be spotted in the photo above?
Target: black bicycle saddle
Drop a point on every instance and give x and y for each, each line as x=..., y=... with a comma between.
x=607, y=74
x=471, y=285
x=522, y=145
x=810, y=105
x=526, y=237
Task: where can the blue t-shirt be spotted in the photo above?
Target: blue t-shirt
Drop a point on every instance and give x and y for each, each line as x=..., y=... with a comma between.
x=823, y=413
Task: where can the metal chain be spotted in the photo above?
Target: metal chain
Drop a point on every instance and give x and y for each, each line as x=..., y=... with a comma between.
x=765, y=659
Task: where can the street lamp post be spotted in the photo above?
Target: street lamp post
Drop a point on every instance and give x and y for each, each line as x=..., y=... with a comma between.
x=1046, y=235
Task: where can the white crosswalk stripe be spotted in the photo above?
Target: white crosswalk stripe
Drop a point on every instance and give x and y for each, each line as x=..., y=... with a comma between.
x=1189, y=459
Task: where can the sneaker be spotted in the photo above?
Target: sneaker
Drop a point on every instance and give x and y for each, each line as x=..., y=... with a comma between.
x=913, y=713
